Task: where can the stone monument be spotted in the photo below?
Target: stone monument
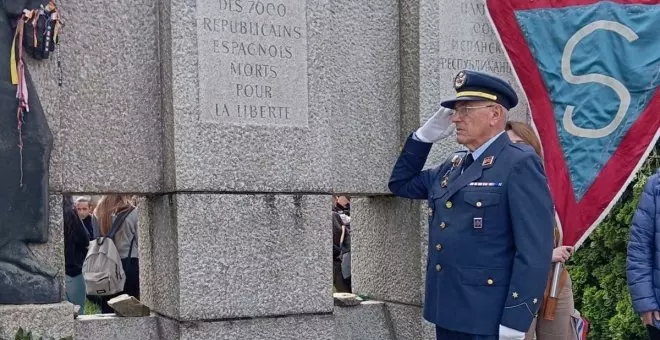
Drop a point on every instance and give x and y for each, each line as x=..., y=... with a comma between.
x=237, y=120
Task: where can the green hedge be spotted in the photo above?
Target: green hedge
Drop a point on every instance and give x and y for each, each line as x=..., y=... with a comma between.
x=598, y=268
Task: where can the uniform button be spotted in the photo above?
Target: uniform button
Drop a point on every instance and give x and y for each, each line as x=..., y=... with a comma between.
x=438, y=247
x=438, y=267
x=443, y=225
x=490, y=281
x=448, y=204
x=478, y=204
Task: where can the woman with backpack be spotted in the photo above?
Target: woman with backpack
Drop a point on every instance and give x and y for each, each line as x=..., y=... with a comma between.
x=109, y=208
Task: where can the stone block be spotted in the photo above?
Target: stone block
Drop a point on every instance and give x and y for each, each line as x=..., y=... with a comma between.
x=385, y=249
x=111, y=327
x=299, y=327
x=368, y=321
x=406, y=321
x=49, y=320
x=125, y=305
x=159, y=257
x=361, y=74
x=250, y=255
x=106, y=117
x=267, y=151
x=346, y=299
x=168, y=329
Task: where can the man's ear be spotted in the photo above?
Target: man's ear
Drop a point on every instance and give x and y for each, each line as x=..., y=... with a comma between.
x=497, y=114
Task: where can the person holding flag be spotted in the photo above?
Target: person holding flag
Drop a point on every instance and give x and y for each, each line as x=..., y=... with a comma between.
x=556, y=319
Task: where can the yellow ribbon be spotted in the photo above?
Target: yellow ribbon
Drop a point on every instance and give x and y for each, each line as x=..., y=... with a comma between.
x=476, y=94
x=12, y=59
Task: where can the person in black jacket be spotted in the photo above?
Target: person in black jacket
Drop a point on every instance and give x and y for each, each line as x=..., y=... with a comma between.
x=76, y=241
x=341, y=244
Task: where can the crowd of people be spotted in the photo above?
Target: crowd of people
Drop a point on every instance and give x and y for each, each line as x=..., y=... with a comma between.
x=90, y=219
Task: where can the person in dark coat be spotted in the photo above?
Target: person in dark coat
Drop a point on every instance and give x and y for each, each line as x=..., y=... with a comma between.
x=342, y=283
x=76, y=242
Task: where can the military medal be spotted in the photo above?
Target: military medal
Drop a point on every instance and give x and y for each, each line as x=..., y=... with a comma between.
x=456, y=161
x=477, y=223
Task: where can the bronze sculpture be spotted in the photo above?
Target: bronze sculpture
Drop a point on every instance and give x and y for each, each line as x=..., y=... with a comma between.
x=25, y=146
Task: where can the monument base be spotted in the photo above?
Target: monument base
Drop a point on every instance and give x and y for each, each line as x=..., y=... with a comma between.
x=47, y=321
x=31, y=288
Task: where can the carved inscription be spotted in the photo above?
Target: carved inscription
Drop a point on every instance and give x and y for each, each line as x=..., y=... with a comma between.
x=252, y=62
x=471, y=43
x=467, y=40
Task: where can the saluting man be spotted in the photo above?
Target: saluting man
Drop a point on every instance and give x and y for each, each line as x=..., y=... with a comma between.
x=490, y=215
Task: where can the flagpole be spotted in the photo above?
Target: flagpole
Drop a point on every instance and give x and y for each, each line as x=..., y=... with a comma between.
x=551, y=304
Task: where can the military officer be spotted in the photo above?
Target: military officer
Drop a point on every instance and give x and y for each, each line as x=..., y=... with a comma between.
x=490, y=215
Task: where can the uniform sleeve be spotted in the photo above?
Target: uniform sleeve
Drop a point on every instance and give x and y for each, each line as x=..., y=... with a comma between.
x=639, y=259
x=532, y=221
x=407, y=179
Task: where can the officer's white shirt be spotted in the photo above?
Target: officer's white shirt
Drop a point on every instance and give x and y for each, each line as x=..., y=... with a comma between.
x=480, y=150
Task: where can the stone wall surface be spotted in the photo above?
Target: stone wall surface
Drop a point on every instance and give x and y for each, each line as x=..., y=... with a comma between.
x=362, y=75
x=367, y=321
x=110, y=327
x=159, y=255
x=220, y=137
x=51, y=254
x=51, y=320
x=301, y=327
x=249, y=256
x=385, y=249
x=105, y=117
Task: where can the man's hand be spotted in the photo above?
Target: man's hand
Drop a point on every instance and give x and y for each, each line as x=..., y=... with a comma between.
x=438, y=127
x=507, y=333
x=647, y=317
x=562, y=254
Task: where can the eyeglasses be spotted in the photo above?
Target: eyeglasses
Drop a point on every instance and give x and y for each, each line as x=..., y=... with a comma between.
x=464, y=110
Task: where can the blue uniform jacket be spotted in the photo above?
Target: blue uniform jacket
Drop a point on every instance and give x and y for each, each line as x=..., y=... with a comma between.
x=490, y=235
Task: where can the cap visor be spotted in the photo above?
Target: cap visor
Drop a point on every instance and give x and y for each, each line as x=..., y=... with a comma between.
x=450, y=104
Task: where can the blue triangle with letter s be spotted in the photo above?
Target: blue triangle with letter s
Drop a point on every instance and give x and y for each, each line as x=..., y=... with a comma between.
x=600, y=64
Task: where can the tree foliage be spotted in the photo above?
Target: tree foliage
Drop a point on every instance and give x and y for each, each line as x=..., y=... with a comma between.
x=598, y=268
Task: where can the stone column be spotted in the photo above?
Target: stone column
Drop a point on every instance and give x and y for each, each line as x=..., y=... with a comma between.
x=240, y=245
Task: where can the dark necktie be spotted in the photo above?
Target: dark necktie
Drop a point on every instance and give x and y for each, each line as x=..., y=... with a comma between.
x=467, y=161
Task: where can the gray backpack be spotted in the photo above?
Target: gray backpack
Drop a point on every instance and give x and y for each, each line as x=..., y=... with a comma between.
x=102, y=270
